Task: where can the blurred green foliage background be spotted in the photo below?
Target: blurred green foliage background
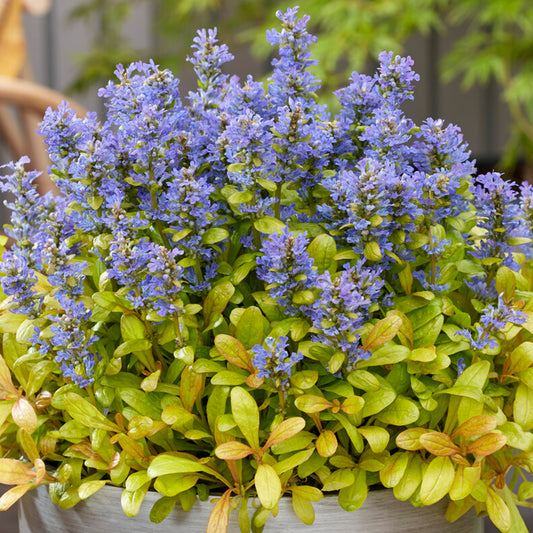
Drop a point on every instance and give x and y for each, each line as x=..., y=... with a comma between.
x=496, y=43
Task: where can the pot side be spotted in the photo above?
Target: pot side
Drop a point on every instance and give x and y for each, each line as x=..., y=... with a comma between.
x=381, y=513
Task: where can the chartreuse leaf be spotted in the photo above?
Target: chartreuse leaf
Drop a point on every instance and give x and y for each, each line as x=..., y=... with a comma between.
x=498, y=511
x=86, y=413
x=322, y=250
x=268, y=224
x=376, y=401
x=131, y=500
x=303, y=508
x=518, y=522
x=463, y=483
x=393, y=470
x=353, y=496
x=401, y=412
x=377, y=437
x=249, y=329
x=166, y=463
x=246, y=415
x=161, y=509
x=172, y=484
x=191, y=385
x=309, y=403
x=437, y=480
x=292, y=461
x=410, y=480
x=521, y=358
x=506, y=282
x=337, y=480
x=268, y=486
x=523, y=406
x=88, y=488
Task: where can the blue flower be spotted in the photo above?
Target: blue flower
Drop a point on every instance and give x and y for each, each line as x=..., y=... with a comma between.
x=275, y=362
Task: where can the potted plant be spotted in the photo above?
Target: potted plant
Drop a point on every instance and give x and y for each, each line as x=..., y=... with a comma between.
x=239, y=297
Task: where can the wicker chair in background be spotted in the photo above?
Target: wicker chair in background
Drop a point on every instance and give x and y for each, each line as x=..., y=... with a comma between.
x=22, y=106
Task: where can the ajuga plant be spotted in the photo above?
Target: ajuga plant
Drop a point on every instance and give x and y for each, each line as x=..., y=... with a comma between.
x=238, y=295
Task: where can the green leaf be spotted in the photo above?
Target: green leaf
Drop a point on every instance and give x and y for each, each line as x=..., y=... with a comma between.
x=246, y=415
x=303, y=508
x=249, y=329
x=384, y=331
x=87, y=414
x=268, y=224
x=506, y=282
x=131, y=501
x=268, y=486
x=401, y=412
x=521, y=358
x=353, y=496
x=322, y=250
x=309, y=403
x=132, y=327
x=217, y=299
x=523, y=407
x=133, y=345
x=393, y=470
x=337, y=480
x=377, y=437
x=172, y=484
x=498, y=511
x=437, y=480
x=377, y=401
x=241, y=197
x=88, y=488
x=214, y=235
x=162, y=509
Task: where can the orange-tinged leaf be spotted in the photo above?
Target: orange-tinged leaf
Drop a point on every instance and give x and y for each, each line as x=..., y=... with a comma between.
x=131, y=447
x=352, y=405
x=219, y=518
x=13, y=472
x=13, y=495
x=476, y=426
x=410, y=439
x=234, y=352
x=149, y=383
x=487, y=444
x=439, y=443
x=498, y=511
x=233, y=450
x=326, y=444
x=285, y=430
x=384, y=331
x=308, y=403
x=5, y=378
x=405, y=333
x=191, y=385
x=254, y=381
x=24, y=415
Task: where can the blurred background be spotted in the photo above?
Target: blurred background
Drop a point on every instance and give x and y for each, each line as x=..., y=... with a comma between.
x=475, y=59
